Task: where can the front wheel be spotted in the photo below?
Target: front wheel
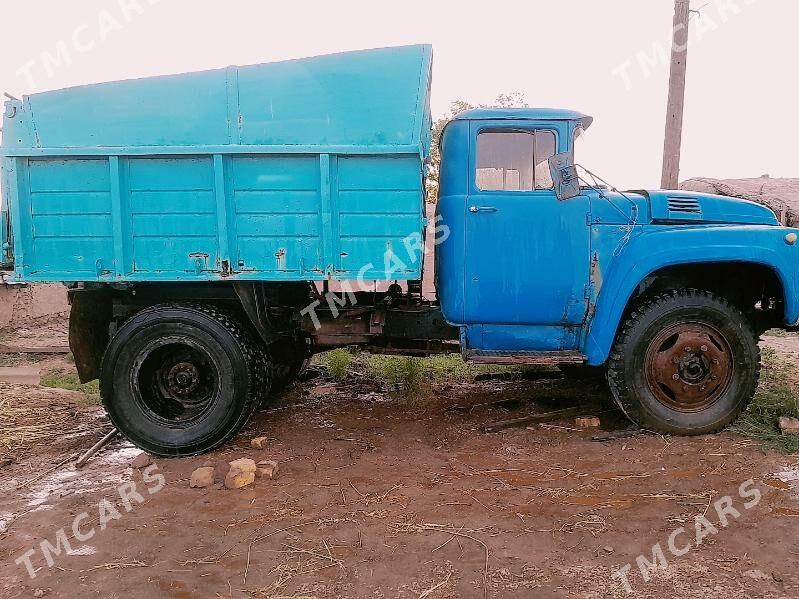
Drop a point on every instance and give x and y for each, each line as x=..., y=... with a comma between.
x=181, y=380
x=685, y=363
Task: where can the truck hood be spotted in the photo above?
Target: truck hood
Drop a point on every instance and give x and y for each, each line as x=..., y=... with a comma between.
x=687, y=206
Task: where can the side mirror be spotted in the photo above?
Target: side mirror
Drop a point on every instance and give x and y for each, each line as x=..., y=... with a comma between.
x=564, y=175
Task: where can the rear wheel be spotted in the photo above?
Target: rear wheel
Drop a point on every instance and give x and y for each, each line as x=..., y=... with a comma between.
x=182, y=380
x=685, y=363
x=289, y=360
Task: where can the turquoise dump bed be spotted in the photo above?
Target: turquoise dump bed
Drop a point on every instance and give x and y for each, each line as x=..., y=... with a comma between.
x=299, y=170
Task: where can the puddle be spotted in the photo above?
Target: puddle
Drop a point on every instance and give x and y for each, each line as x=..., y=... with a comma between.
x=38, y=497
x=107, y=469
x=51, y=484
x=123, y=454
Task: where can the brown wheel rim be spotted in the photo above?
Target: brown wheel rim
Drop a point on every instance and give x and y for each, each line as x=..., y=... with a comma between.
x=689, y=366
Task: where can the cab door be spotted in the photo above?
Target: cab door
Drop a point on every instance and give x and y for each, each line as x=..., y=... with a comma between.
x=527, y=253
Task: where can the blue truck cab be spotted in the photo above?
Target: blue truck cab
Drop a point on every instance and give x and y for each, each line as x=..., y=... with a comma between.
x=535, y=272
x=217, y=229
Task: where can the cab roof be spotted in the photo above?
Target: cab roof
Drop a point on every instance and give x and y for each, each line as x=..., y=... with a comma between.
x=525, y=114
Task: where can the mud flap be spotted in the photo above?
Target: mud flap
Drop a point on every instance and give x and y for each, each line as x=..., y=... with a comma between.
x=89, y=320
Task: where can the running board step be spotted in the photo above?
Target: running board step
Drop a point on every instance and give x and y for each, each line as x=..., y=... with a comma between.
x=525, y=357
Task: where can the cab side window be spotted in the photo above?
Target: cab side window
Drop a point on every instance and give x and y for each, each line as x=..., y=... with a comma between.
x=514, y=160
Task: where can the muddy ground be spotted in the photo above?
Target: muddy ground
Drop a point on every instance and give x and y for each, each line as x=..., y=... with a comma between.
x=384, y=495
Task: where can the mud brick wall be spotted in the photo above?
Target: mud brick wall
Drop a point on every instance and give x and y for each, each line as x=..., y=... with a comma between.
x=21, y=303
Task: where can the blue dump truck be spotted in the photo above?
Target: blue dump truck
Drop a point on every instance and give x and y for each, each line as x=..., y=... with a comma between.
x=201, y=220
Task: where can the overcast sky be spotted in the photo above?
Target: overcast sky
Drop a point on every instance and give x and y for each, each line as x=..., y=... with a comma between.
x=604, y=58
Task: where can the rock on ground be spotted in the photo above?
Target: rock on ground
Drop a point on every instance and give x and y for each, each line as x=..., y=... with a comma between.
x=202, y=478
x=267, y=469
x=323, y=390
x=141, y=461
x=241, y=473
x=789, y=426
x=587, y=422
x=259, y=442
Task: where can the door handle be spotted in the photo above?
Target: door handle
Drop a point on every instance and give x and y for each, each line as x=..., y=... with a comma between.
x=476, y=209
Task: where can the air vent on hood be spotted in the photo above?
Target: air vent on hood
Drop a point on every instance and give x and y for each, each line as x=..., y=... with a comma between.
x=684, y=205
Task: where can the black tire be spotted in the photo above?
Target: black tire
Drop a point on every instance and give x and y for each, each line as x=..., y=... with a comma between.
x=289, y=360
x=284, y=374
x=182, y=380
x=711, y=348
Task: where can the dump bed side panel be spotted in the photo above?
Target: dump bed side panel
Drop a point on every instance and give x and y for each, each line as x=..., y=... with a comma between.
x=66, y=216
x=278, y=213
x=380, y=217
x=212, y=217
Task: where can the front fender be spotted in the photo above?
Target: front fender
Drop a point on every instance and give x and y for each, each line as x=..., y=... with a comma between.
x=657, y=247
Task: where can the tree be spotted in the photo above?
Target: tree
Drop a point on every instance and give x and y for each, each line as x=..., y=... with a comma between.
x=511, y=100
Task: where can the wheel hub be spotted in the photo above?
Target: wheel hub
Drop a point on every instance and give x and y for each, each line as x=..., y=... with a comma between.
x=183, y=379
x=689, y=366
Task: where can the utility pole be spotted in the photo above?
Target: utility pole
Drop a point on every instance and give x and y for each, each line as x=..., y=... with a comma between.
x=676, y=103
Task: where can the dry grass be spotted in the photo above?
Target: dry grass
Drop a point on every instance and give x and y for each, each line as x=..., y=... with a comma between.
x=775, y=397
x=23, y=425
x=31, y=417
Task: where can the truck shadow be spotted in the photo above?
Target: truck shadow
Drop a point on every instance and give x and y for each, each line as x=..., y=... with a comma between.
x=548, y=398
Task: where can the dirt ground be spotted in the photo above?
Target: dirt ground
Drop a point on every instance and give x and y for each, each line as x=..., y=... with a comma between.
x=380, y=495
